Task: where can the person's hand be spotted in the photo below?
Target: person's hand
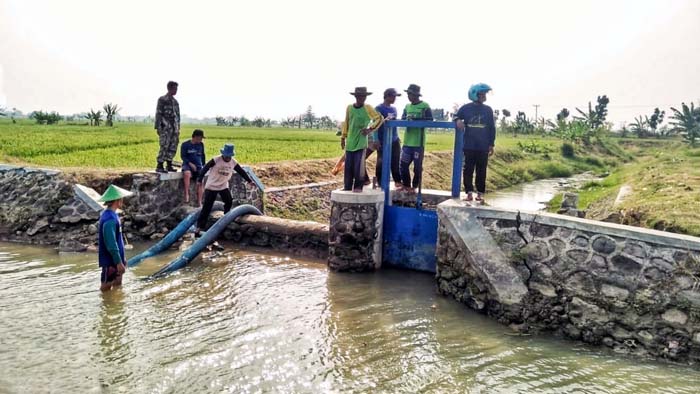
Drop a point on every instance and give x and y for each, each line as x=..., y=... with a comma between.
x=460, y=125
x=375, y=145
x=342, y=143
x=366, y=131
x=491, y=150
x=390, y=117
x=121, y=268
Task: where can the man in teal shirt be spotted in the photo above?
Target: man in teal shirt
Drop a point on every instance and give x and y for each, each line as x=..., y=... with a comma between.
x=414, y=139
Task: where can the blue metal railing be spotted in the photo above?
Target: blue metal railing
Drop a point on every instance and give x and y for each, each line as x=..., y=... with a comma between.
x=389, y=127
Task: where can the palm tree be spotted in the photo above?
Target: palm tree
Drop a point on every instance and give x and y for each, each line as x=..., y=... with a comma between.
x=687, y=122
x=94, y=117
x=110, y=111
x=639, y=127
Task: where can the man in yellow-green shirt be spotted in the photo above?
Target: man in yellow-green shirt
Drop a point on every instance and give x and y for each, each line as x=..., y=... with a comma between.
x=414, y=139
x=360, y=121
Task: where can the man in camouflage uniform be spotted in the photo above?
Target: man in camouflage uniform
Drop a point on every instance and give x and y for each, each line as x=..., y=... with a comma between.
x=168, y=127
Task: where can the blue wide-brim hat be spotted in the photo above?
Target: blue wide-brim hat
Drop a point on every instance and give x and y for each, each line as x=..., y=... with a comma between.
x=228, y=151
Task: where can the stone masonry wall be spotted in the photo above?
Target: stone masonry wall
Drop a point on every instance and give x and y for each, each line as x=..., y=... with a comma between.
x=354, y=242
x=633, y=290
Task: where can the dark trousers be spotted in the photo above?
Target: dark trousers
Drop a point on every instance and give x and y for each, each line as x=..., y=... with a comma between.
x=209, y=198
x=354, y=170
x=395, y=157
x=411, y=154
x=479, y=160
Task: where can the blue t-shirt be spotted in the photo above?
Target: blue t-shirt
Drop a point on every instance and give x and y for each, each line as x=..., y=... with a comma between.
x=385, y=110
x=192, y=153
x=480, y=130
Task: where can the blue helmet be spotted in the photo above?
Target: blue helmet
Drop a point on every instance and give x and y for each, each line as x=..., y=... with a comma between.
x=474, y=90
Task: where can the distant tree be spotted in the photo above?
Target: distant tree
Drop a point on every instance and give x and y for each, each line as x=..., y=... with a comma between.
x=110, y=110
x=595, y=117
x=656, y=119
x=96, y=117
x=687, y=122
x=47, y=118
x=639, y=127
x=220, y=121
x=563, y=114
x=3, y=111
x=258, y=122
x=309, y=118
x=523, y=125
x=243, y=121
x=506, y=113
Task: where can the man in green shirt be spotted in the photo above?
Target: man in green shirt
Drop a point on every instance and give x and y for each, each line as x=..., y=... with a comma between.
x=360, y=121
x=414, y=139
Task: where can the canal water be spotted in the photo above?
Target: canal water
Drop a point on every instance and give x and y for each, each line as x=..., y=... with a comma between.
x=251, y=322
x=534, y=196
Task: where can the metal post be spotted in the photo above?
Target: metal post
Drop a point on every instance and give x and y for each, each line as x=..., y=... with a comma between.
x=457, y=163
x=386, y=162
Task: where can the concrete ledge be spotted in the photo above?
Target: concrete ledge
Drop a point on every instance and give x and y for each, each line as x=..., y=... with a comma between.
x=89, y=196
x=298, y=187
x=485, y=255
x=546, y=218
x=368, y=196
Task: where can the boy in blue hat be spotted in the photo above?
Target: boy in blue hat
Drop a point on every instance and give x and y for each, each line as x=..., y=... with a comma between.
x=220, y=170
x=476, y=121
x=109, y=239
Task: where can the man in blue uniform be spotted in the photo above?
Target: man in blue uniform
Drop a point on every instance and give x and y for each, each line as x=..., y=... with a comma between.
x=110, y=241
x=476, y=121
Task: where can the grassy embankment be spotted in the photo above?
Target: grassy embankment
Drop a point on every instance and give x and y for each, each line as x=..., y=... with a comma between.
x=663, y=183
x=130, y=146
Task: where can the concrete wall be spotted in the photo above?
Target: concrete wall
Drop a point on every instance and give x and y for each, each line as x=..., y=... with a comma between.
x=631, y=289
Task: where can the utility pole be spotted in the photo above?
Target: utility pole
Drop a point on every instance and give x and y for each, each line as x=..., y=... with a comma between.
x=537, y=106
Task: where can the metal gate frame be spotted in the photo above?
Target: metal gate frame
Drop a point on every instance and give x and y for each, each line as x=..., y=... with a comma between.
x=410, y=234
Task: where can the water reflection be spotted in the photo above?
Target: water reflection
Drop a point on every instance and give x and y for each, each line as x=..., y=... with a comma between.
x=254, y=323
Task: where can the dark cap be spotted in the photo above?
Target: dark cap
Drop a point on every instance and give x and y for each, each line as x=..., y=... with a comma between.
x=391, y=92
x=198, y=133
x=413, y=89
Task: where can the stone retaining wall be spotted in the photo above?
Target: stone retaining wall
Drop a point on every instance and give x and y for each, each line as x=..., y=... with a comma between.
x=634, y=290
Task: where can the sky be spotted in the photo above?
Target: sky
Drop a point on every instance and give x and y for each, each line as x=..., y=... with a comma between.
x=274, y=58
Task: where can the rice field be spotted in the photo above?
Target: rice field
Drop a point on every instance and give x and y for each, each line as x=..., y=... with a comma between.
x=135, y=145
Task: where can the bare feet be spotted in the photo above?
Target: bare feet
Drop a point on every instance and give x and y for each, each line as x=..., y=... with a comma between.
x=187, y=198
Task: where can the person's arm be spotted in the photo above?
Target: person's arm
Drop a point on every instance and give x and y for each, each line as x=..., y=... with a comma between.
x=376, y=121
x=459, y=118
x=403, y=115
x=344, y=128
x=492, y=132
x=242, y=173
x=183, y=154
x=427, y=113
x=109, y=236
x=206, y=168
x=176, y=105
x=204, y=154
x=159, y=112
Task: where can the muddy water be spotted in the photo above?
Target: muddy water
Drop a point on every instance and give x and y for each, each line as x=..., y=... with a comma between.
x=256, y=323
x=534, y=196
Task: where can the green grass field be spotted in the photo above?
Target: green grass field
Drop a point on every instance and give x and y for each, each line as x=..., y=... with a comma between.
x=135, y=145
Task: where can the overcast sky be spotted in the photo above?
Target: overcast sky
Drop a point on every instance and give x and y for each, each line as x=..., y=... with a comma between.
x=274, y=58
